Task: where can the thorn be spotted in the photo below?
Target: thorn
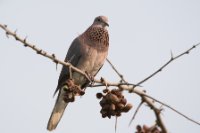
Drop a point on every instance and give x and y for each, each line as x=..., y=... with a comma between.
x=39, y=52
x=33, y=46
x=53, y=55
x=15, y=35
x=54, y=59
x=56, y=66
x=7, y=34
x=5, y=25
x=25, y=45
x=172, y=56
x=15, y=32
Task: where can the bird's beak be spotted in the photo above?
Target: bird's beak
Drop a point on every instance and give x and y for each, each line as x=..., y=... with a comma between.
x=106, y=24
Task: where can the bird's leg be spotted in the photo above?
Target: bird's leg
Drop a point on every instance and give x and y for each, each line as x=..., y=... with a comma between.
x=91, y=78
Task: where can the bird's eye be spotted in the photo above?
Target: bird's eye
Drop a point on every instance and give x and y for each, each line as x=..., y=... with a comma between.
x=99, y=19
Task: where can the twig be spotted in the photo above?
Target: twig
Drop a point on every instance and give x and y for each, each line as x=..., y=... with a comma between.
x=168, y=106
x=113, y=67
x=136, y=111
x=150, y=104
x=167, y=63
x=116, y=124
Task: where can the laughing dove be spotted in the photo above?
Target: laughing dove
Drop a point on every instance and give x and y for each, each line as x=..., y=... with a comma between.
x=88, y=53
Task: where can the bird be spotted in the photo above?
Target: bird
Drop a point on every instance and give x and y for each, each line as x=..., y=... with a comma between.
x=88, y=53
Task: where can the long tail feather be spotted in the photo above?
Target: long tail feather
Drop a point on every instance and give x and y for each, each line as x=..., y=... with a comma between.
x=58, y=111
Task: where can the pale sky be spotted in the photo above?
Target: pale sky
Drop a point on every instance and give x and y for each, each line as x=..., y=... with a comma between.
x=142, y=34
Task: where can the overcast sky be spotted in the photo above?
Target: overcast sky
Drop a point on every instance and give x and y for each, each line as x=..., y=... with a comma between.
x=142, y=34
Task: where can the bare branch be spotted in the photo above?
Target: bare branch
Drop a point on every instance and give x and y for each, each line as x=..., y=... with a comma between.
x=167, y=63
x=136, y=111
x=173, y=109
x=113, y=67
x=40, y=51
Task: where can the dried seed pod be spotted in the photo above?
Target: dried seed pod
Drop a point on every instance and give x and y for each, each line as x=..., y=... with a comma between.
x=118, y=114
x=127, y=107
x=123, y=101
x=113, y=112
x=112, y=107
x=99, y=95
x=146, y=128
x=112, y=98
x=113, y=103
x=106, y=107
x=139, y=128
x=120, y=106
x=105, y=90
x=109, y=116
x=103, y=102
x=117, y=92
x=82, y=92
x=103, y=113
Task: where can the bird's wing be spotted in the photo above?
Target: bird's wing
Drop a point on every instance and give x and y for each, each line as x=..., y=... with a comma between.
x=73, y=56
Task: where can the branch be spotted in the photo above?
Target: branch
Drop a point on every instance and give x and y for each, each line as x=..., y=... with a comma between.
x=113, y=67
x=40, y=51
x=167, y=63
x=148, y=99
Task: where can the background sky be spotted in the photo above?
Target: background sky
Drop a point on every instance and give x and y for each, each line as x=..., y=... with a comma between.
x=142, y=34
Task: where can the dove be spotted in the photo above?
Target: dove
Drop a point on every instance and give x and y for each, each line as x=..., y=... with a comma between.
x=88, y=53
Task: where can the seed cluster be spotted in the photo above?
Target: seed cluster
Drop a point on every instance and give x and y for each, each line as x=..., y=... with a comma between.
x=113, y=103
x=71, y=90
x=146, y=129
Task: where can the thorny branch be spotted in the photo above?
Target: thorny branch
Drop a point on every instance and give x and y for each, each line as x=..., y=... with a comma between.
x=122, y=85
x=167, y=63
x=113, y=67
x=40, y=51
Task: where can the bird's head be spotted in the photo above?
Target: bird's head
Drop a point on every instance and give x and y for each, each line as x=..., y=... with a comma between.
x=101, y=21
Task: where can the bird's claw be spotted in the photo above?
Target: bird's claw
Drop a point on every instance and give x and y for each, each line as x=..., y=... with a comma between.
x=91, y=78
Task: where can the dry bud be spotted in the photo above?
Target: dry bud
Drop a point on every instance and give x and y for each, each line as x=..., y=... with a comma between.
x=106, y=107
x=127, y=107
x=120, y=106
x=105, y=90
x=99, y=95
x=82, y=93
x=123, y=101
x=102, y=102
x=113, y=98
x=112, y=107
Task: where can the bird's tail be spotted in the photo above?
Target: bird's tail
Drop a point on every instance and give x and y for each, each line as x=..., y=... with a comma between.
x=58, y=111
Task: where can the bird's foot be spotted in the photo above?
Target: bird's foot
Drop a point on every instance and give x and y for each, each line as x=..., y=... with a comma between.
x=72, y=90
x=91, y=78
